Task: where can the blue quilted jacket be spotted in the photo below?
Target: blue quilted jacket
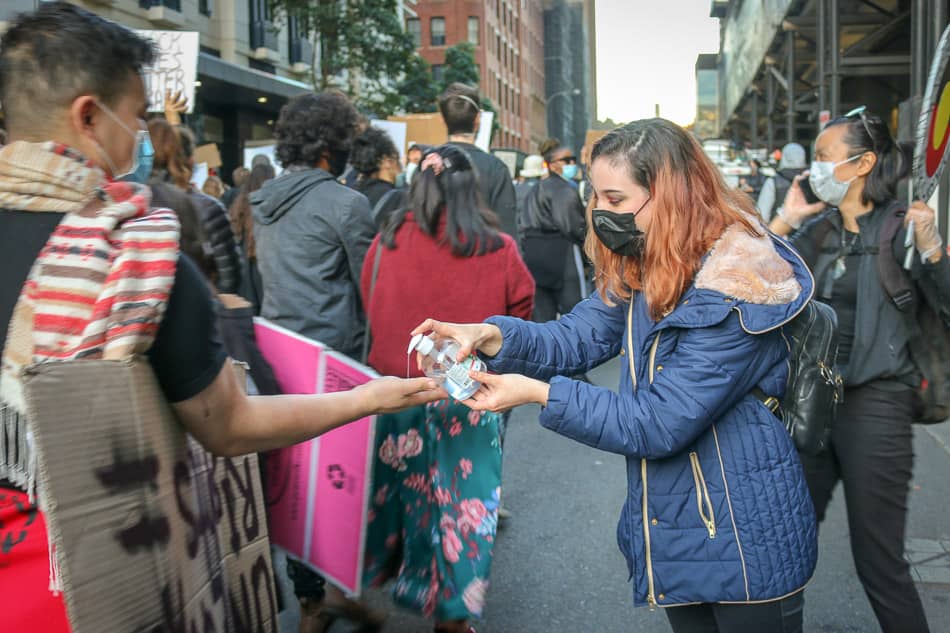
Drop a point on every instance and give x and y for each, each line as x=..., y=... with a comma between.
x=717, y=508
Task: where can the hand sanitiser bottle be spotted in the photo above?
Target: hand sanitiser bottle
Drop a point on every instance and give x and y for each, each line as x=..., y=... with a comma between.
x=438, y=361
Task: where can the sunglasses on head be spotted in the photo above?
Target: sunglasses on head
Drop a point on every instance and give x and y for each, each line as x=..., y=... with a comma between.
x=861, y=112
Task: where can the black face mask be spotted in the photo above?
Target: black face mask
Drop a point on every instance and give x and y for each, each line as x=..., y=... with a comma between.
x=619, y=232
x=337, y=161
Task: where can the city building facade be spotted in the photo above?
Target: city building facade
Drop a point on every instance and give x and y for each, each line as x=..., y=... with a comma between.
x=570, y=69
x=509, y=51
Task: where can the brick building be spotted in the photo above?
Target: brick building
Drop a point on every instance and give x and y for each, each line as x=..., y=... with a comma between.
x=509, y=50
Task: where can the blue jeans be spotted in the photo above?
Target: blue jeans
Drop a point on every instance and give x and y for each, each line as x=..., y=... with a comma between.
x=779, y=616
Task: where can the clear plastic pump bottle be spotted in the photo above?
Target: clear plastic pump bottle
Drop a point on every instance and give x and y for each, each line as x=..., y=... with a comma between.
x=438, y=361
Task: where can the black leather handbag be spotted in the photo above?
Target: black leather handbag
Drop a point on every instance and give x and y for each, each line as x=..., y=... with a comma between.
x=814, y=387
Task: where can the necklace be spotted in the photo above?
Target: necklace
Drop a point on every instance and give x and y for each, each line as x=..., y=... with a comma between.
x=849, y=244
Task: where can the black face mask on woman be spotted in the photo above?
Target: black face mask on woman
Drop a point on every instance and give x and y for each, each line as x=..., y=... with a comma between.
x=619, y=232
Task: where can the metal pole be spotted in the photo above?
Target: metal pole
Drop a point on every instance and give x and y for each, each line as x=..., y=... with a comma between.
x=822, y=50
x=918, y=47
x=790, y=93
x=834, y=51
x=770, y=109
x=755, y=119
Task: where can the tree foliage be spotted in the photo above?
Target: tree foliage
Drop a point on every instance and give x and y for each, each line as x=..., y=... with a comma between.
x=360, y=47
x=417, y=87
x=460, y=66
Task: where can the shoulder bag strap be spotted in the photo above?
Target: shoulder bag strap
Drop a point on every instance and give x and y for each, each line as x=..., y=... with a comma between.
x=369, y=298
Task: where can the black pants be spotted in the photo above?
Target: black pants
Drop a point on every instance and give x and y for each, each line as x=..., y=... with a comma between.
x=779, y=616
x=872, y=453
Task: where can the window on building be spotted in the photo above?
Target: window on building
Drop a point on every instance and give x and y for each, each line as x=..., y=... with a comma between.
x=263, y=34
x=204, y=7
x=174, y=5
x=438, y=72
x=497, y=44
x=437, y=31
x=414, y=29
x=474, y=32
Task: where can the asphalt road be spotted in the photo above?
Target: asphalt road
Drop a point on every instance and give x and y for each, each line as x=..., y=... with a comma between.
x=557, y=567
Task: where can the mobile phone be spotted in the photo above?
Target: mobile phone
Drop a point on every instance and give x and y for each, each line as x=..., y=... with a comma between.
x=810, y=196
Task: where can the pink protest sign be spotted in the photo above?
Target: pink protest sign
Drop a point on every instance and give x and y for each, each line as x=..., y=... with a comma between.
x=344, y=480
x=317, y=491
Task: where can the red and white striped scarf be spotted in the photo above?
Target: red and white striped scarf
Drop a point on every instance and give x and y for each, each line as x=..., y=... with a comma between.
x=98, y=289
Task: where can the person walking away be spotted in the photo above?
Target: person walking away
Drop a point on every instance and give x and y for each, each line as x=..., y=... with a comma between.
x=238, y=176
x=376, y=159
x=65, y=152
x=753, y=183
x=531, y=174
x=462, y=116
x=312, y=232
x=168, y=168
x=855, y=173
x=774, y=190
x=214, y=221
x=437, y=473
x=242, y=223
x=550, y=224
x=693, y=293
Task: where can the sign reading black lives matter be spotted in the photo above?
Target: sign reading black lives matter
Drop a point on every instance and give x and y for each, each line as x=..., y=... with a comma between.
x=152, y=533
x=176, y=68
x=933, y=130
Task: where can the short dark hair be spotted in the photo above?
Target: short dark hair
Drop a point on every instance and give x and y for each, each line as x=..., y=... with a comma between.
x=459, y=108
x=893, y=163
x=60, y=52
x=311, y=125
x=369, y=150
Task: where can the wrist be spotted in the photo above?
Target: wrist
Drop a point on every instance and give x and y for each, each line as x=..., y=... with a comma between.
x=789, y=219
x=491, y=341
x=541, y=393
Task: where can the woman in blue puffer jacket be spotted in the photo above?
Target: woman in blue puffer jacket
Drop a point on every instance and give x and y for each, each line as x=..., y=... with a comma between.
x=693, y=294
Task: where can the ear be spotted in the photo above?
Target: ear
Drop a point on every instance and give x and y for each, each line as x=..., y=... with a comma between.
x=866, y=163
x=83, y=115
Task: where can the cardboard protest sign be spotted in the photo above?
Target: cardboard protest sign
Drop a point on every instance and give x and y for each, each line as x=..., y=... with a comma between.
x=209, y=154
x=151, y=532
x=933, y=130
x=175, y=69
x=427, y=128
x=318, y=491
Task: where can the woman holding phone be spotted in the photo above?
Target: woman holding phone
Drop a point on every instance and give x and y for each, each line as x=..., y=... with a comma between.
x=856, y=170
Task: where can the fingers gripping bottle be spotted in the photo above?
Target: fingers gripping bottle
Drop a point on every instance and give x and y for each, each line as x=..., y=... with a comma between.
x=438, y=361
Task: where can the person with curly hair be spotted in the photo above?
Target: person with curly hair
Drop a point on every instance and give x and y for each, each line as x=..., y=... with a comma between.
x=376, y=160
x=313, y=232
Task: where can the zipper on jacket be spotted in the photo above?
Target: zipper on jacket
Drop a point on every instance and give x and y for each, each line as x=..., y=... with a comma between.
x=651, y=599
x=732, y=514
x=702, y=496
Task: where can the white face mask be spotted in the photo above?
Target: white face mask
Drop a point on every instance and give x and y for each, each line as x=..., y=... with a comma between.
x=410, y=170
x=822, y=179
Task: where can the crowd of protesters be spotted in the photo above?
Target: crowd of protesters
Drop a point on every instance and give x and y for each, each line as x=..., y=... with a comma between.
x=350, y=247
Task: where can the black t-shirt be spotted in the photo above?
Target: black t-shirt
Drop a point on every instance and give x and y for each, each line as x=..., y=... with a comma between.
x=844, y=297
x=187, y=353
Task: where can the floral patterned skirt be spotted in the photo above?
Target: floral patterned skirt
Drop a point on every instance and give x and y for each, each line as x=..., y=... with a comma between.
x=434, y=511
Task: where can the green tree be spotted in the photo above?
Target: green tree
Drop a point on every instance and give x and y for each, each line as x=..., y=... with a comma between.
x=360, y=47
x=460, y=66
x=417, y=87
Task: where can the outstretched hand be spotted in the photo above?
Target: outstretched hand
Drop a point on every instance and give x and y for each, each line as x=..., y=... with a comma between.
x=389, y=395
x=503, y=392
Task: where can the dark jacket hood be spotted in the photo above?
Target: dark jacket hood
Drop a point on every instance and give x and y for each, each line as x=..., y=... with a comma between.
x=279, y=195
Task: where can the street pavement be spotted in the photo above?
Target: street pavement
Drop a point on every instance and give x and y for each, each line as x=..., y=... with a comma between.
x=557, y=568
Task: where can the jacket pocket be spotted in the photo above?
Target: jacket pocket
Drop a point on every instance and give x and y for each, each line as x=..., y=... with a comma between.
x=703, y=503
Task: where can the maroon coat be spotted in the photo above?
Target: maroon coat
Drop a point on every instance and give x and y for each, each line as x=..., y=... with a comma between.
x=421, y=279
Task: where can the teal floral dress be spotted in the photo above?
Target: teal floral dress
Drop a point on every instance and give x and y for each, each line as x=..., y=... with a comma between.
x=434, y=511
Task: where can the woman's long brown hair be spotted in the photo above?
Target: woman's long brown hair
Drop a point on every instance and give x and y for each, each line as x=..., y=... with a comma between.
x=692, y=208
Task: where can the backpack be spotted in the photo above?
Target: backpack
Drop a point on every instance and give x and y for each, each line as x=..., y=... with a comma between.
x=929, y=331
x=814, y=387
